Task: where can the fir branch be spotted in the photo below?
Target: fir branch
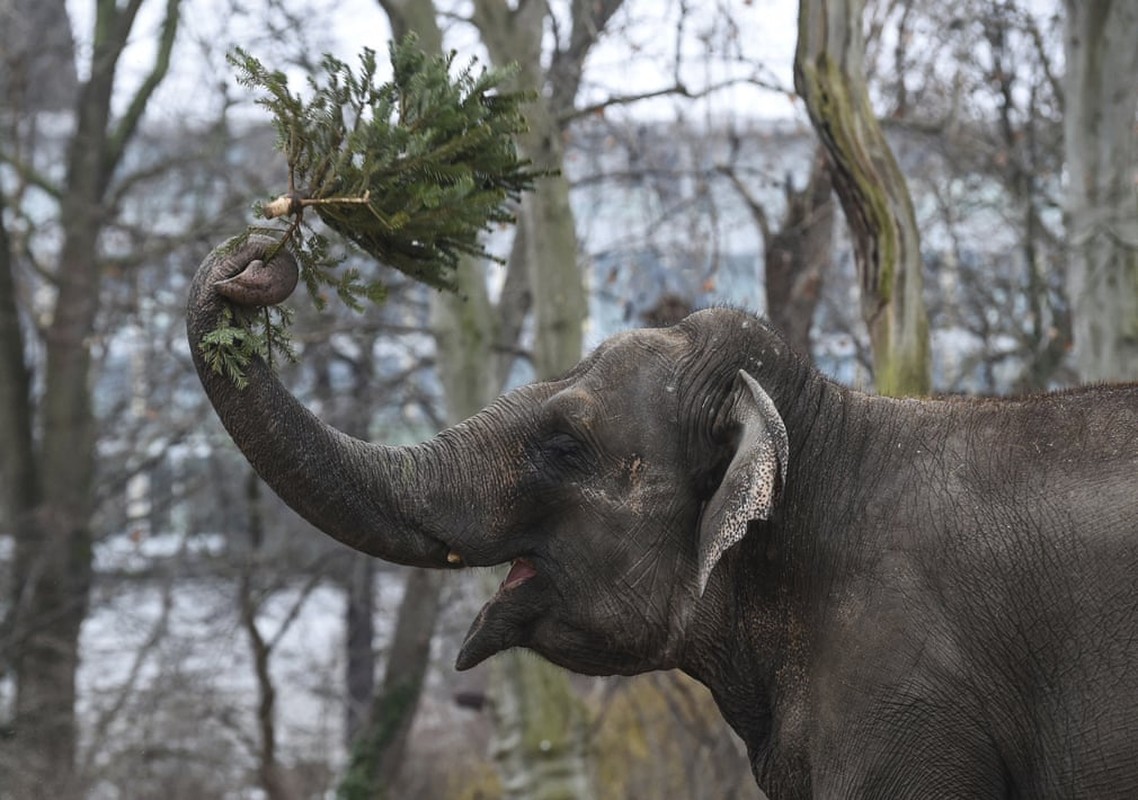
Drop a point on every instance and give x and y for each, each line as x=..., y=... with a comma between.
x=242, y=335
x=412, y=171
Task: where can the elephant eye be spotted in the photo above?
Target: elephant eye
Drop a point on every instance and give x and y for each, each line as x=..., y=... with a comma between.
x=561, y=452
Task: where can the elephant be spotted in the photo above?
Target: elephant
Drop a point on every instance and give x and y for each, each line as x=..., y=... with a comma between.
x=887, y=598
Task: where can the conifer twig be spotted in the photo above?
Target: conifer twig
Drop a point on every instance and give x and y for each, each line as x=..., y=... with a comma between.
x=412, y=171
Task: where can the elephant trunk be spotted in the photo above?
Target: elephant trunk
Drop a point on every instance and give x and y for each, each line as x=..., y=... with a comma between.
x=373, y=498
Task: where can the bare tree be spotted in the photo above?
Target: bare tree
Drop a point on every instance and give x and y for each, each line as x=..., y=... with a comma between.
x=541, y=723
x=38, y=53
x=50, y=436
x=472, y=336
x=270, y=775
x=829, y=75
x=1102, y=199
x=971, y=97
x=476, y=339
x=796, y=253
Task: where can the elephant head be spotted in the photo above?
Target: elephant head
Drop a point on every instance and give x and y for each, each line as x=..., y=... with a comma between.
x=613, y=491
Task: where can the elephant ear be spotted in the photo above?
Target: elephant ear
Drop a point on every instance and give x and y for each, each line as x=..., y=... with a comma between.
x=749, y=487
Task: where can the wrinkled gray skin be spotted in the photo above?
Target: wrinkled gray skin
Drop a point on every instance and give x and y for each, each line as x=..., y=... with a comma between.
x=941, y=602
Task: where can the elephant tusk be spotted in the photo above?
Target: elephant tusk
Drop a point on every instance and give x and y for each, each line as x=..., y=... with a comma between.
x=454, y=558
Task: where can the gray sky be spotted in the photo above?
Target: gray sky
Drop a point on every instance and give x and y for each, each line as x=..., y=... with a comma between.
x=637, y=56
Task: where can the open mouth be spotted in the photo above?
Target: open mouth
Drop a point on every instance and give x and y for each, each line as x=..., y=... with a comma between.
x=521, y=571
x=506, y=619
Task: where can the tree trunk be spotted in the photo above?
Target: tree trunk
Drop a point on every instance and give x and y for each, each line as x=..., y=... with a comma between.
x=53, y=543
x=50, y=506
x=19, y=489
x=541, y=730
x=378, y=750
x=270, y=773
x=560, y=305
x=37, y=56
x=53, y=546
x=829, y=75
x=379, y=718
x=542, y=743
x=20, y=769
x=473, y=337
x=359, y=656
x=1101, y=99
x=352, y=414
x=466, y=327
x=796, y=255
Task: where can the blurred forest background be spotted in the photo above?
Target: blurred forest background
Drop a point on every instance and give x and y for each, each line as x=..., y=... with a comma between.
x=168, y=629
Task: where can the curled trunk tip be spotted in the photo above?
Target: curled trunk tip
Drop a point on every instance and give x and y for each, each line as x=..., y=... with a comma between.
x=260, y=282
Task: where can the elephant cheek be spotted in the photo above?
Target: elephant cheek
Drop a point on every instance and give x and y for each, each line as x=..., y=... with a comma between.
x=504, y=622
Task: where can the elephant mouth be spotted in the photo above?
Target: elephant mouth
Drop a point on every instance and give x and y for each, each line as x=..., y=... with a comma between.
x=521, y=570
x=507, y=618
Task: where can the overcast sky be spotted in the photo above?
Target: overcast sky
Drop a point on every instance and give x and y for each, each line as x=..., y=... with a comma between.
x=637, y=55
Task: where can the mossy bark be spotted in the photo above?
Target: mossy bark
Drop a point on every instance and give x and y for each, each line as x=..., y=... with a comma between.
x=559, y=301
x=378, y=748
x=378, y=751
x=542, y=744
x=475, y=342
x=541, y=730
x=829, y=75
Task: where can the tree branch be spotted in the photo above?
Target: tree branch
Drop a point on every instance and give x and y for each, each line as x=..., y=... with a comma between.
x=1053, y=80
x=678, y=90
x=566, y=66
x=126, y=126
x=17, y=450
x=127, y=689
x=32, y=177
x=758, y=212
x=491, y=15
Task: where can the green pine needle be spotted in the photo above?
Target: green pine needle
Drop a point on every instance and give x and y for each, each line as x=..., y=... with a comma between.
x=412, y=171
x=243, y=334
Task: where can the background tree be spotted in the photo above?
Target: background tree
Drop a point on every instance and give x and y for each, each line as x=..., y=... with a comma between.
x=474, y=339
x=971, y=98
x=829, y=70
x=796, y=253
x=541, y=745
x=38, y=55
x=540, y=721
x=1101, y=149
x=49, y=436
